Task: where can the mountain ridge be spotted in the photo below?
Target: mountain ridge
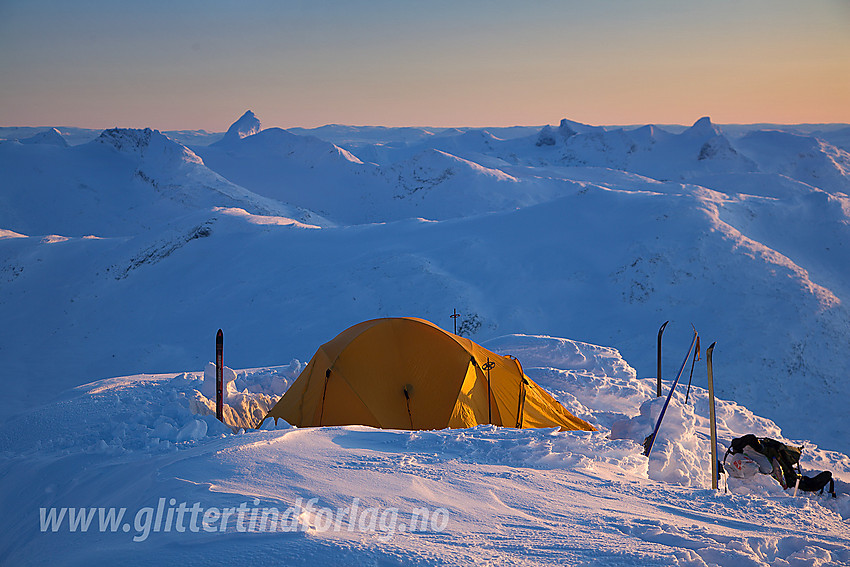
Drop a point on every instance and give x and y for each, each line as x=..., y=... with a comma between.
x=705, y=229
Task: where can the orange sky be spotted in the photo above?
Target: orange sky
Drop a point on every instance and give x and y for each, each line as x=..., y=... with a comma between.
x=199, y=64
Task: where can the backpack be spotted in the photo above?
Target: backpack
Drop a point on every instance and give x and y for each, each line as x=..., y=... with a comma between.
x=788, y=457
x=786, y=460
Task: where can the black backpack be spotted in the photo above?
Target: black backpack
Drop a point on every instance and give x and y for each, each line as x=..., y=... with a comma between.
x=788, y=457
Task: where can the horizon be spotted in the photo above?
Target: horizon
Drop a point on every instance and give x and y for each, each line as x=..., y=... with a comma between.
x=434, y=127
x=197, y=65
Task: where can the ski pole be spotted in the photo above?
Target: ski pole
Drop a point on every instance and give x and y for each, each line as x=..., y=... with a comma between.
x=696, y=357
x=650, y=441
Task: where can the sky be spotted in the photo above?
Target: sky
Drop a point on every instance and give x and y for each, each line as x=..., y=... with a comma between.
x=194, y=64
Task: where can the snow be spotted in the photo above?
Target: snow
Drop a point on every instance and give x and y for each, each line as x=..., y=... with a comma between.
x=51, y=136
x=122, y=253
x=533, y=497
x=11, y=234
x=262, y=219
x=247, y=125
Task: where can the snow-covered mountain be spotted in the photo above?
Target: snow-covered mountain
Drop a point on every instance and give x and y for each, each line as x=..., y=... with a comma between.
x=123, y=182
x=51, y=137
x=122, y=255
x=247, y=125
x=421, y=181
x=803, y=158
x=649, y=151
x=602, y=243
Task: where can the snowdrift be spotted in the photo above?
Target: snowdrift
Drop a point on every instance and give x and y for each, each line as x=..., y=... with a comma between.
x=498, y=494
x=122, y=251
x=643, y=225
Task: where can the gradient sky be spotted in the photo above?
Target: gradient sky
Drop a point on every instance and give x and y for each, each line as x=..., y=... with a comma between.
x=198, y=64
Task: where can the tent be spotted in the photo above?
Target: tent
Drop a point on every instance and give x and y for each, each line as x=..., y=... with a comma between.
x=406, y=373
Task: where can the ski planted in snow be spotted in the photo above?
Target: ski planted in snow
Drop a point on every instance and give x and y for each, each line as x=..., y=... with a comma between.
x=650, y=441
x=658, y=373
x=712, y=419
x=219, y=376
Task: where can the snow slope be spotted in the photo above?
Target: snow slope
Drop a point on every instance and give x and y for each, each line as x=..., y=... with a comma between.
x=122, y=183
x=75, y=136
x=123, y=255
x=525, y=244
x=545, y=268
x=501, y=496
x=338, y=185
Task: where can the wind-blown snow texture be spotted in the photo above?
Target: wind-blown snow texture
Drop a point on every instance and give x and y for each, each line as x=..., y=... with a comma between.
x=532, y=497
x=123, y=252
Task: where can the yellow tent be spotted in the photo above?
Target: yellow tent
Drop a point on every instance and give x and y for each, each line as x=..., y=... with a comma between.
x=406, y=373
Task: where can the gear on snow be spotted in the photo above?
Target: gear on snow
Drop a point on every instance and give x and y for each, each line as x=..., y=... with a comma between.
x=751, y=455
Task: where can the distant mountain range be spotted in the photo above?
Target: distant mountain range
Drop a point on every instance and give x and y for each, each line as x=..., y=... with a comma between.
x=122, y=251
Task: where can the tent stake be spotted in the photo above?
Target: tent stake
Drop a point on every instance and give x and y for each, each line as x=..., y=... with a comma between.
x=324, y=391
x=407, y=389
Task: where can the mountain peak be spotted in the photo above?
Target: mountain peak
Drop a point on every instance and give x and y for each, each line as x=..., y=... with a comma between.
x=567, y=128
x=703, y=127
x=147, y=144
x=127, y=138
x=247, y=125
x=564, y=128
x=50, y=137
x=546, y=137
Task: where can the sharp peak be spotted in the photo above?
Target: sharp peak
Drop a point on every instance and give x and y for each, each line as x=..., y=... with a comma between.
x=247, y=125
x=704, y=126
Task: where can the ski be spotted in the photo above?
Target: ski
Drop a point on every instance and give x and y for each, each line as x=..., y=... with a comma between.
x=219, y=375
x=658, y=373
x=650, y=441
x=712, y=419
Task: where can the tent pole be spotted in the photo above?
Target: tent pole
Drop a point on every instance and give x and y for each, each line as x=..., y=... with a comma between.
x=521, y=408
